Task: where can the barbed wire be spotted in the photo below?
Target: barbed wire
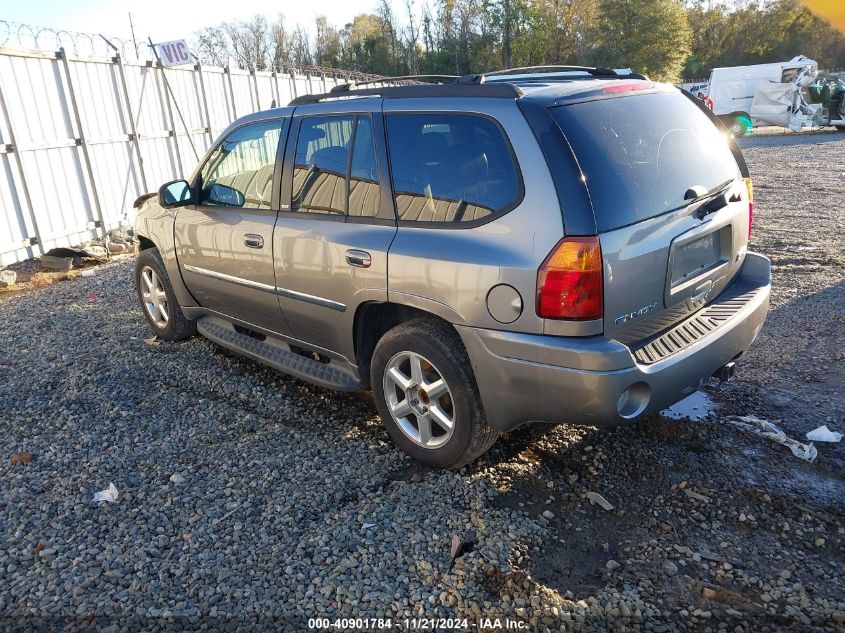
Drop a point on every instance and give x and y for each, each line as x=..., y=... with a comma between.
x=76, y=43
x=79, y=44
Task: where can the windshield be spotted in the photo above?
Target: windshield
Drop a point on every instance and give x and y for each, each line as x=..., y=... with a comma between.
x=640, y=154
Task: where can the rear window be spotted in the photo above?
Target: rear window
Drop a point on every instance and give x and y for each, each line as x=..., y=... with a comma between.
x=641, y=153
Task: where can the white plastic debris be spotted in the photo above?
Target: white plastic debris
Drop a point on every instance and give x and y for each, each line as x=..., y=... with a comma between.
x=766, y=429
x=595, y=497
x=824, y=434
x=8, y=278
x=109, y=494
x=91, y=272
x=367, y=526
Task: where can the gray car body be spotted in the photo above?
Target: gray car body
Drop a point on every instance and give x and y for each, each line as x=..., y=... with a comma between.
x=302, y=293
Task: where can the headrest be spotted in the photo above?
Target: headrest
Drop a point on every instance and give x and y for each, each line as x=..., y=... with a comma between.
x=309, y=134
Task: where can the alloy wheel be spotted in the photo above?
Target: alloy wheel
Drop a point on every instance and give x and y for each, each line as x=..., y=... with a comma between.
x=154, y=297
x=419, y=400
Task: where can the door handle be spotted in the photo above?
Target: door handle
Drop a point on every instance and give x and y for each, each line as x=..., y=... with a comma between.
x=361, y=259
x=253, y=241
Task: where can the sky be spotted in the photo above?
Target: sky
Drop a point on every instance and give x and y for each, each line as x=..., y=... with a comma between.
x=165, y=20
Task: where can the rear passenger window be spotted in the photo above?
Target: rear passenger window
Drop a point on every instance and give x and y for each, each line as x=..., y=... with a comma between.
x=323, y=164
x=244, y=161
x=363, y=177
x=319, y=171
x=450, y=167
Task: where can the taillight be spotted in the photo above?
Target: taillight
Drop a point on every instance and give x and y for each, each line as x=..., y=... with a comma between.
x=569, y=283
x=750, y=189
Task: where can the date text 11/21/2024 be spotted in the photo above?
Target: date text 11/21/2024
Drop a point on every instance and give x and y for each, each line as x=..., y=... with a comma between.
x=418, y=624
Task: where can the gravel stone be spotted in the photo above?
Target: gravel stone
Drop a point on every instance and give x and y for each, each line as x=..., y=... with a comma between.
x=243, y=492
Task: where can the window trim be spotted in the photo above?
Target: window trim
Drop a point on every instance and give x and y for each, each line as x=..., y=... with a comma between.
x=387, y=204
x=520, y=197
x=196, y=182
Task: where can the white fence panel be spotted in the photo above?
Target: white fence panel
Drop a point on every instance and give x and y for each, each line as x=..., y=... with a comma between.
x=266, y=90
x=82, y=138
x=219, y=99
x=243, y=92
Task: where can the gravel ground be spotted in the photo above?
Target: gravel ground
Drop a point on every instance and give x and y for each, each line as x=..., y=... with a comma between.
x=247, y=498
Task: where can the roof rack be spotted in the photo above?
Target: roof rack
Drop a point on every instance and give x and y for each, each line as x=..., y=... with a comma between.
x=419, y=78
x=472, y=85
x=501, y=90
x=589, y=70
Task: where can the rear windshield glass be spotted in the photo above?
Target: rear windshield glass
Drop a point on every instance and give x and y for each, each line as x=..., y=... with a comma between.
x=641, y=153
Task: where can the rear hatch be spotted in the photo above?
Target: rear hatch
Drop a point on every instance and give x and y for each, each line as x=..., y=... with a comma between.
x=670, y=204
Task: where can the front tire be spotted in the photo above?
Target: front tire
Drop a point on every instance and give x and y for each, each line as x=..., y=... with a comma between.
x=427, y=396
x=157, y=299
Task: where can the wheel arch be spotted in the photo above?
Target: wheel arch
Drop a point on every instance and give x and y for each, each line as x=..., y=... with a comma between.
x=374, y=319
x=153, y=235
x=145, y=243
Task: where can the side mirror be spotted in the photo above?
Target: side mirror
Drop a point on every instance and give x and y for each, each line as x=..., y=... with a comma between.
x=174, y=194
x=226, y=196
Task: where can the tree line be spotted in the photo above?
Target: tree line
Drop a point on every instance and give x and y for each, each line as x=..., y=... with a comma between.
x=665, y=39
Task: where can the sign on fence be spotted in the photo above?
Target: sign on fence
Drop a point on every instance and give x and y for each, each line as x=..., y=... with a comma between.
x=174, y=53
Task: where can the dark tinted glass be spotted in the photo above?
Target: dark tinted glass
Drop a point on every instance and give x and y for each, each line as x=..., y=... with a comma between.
x=244, y=161
x=641, y=153
x=363, y=177
x=449, y=167
x=319, y=172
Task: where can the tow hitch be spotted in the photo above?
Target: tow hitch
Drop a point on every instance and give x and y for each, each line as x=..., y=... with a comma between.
x=723, y=374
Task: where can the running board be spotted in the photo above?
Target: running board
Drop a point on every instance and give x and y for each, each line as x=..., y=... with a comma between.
x=277, y=354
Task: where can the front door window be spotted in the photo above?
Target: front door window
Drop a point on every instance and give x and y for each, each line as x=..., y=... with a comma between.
x=239, y=172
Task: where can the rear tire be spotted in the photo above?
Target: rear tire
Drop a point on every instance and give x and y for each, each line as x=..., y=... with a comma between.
x=427, y=396
x=739, y=127
x=157, y=299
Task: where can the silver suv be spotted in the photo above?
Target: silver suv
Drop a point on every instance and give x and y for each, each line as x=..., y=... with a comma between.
x=503, y=248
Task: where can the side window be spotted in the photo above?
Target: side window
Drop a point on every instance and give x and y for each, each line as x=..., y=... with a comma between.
x=319, y=170
x=450, y=167
x=239, y=172
x=364, y=192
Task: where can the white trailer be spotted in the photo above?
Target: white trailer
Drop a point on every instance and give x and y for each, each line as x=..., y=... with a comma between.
x=732, y=90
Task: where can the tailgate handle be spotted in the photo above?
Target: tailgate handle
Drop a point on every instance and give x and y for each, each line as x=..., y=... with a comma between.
x=361, y=259
x=702, y=292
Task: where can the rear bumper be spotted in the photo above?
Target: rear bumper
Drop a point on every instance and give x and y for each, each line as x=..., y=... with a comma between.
x=598, y=381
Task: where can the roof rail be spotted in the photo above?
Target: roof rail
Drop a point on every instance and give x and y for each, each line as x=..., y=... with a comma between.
x=500, y=90
x=420, y=78
x=589, y=70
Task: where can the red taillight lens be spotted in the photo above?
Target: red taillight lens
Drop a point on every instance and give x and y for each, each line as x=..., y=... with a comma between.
x=750, y=188
x=569, y=283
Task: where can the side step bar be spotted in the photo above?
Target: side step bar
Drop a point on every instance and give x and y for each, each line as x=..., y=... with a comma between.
x=276, y=354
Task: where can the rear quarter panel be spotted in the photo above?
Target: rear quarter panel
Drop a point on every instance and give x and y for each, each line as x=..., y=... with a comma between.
x=450, y=271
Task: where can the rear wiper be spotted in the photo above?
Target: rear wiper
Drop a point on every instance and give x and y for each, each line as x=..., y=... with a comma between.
x=695, y=194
